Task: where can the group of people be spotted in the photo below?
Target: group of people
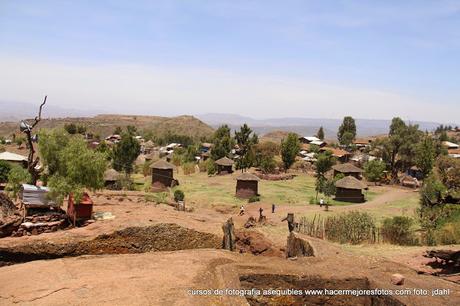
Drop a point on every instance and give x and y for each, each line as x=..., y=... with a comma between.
x=261, y=210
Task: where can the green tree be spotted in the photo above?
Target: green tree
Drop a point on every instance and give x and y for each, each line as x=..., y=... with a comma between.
x=81, y=129
x=223, y=143
x=290, y=147
x=398, y=150
x=425, y=154
x=320, y=133
x=5, y=168
x=118, y=130
x=70, y=128
x=17, y=176
x=324, y=163
x=265, y=153
x=347, y=131
x=73, y=167
x=125, y=153
x=245, y=139
x=433, y=192
x=374, y=170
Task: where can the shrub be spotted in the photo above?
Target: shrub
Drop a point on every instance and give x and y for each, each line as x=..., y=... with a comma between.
x=212, y=169
x=188, y=168
x=16, y=177
x=5, y=168
x=179, y=195
x=156, y=198
x=312, y=200
x=398, y=230
x=254, y=199
x=203, y=166
x=449, y=233
x=353, y=227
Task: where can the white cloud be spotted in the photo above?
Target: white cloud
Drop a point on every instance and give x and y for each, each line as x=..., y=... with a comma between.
x=160, y=90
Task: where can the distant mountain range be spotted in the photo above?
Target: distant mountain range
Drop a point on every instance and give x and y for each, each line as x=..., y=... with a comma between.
x=15, y=111
x=305, y=126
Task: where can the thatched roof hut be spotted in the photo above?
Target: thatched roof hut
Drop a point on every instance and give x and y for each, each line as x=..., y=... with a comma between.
x=247, y=185
x=348, y=169
x=162, y=175
x=224, y=165
x=349, y=189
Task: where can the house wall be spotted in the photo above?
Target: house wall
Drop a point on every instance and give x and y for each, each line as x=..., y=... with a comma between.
x=224, y=169
x=162, y=178
x=246, y=189
x=349, y=195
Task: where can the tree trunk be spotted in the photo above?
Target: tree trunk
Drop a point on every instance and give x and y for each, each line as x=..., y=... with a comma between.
x=229, y=235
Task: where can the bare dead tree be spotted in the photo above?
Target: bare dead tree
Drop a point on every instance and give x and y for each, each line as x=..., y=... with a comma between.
x=27, y=129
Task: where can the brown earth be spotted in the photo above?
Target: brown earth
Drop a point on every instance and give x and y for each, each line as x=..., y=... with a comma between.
x=161, y=271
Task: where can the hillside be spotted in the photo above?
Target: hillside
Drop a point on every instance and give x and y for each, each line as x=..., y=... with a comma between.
x=104, y=125
x=307, y=126
x=275, y=136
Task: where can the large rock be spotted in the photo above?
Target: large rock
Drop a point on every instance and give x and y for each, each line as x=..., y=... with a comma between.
x=298, y=247
x=10, y=218
x=397, y=279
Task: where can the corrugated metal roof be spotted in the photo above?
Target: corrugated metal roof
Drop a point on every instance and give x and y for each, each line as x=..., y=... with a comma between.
x=8, y=156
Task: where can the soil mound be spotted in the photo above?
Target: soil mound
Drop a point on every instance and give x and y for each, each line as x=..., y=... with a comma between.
x=255, y=243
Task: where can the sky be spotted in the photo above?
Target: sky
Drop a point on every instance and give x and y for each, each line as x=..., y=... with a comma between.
x=264, y=59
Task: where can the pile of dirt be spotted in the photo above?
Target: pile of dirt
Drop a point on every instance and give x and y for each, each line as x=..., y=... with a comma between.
x=159, y=237
x=10, y=218
x=255, y=243
x=280, y=282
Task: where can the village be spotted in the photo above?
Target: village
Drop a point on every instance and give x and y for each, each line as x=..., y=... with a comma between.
x=67, y=194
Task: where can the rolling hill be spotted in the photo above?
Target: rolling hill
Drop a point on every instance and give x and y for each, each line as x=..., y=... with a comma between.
x=104, y=125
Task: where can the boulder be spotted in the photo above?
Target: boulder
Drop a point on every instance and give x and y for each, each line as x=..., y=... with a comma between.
x=397, y=279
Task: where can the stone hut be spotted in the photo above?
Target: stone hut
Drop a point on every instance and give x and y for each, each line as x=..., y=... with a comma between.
x=348, y=170
x=224, y=165
x=349, y=189
x=111, y=177
x=162, y=175
x=247, y=185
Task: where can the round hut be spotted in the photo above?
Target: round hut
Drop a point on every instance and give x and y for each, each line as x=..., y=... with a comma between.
x=349, y=189
x=247, y=185
x=162, y=175
x=224, y=165
x=348, y=170
x=111, y=177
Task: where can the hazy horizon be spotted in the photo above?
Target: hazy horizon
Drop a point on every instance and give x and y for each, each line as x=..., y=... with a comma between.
x=257, y=59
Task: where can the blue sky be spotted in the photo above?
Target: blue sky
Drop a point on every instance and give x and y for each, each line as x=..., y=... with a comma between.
x=369, y=59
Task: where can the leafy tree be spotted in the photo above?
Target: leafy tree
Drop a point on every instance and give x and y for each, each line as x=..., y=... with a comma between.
x=73, y=167
x=71, y=128
x=324, y=163
x=81, y=129
x=5, y=168
x=320, y=133
x=374, y=170
x=290, y=147
x=245, y=139
x=223, y=142
x=425, y=154
x=398, y=150
x=125, y=153
x=131, y=129
x=265, y=156
x=50, y=144
x=448, y=170
x=17, y=176
x=104, y=148
x=347, y=131
x=118, y=130
x=433, y=192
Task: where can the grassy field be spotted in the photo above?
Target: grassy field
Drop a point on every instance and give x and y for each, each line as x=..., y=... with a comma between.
x=203, y=191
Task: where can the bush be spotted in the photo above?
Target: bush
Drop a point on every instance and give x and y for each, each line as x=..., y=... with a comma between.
x=312, y=200
x=211, y=167
x=156, y=198
x=398, y=230
x=449, y=233
x=254, y=199
x=188, y=168
x=179, y=195
x=5, y=168
x=16, y=177
x=353, y=227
